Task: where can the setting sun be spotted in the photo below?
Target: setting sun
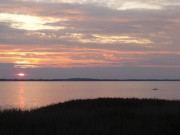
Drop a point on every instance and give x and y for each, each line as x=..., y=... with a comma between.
x=21, y=74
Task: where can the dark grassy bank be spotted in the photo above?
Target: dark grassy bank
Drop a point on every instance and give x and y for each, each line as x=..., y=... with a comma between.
x=96, y=117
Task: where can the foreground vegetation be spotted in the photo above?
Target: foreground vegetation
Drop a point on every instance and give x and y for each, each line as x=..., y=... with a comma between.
x=103, y=116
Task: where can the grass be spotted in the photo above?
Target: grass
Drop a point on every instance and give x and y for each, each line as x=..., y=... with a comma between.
x=102, y=116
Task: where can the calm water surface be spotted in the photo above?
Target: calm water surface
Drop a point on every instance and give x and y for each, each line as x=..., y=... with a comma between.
x=28, y=95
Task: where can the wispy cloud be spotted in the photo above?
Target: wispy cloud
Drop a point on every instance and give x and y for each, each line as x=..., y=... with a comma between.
x=83, y=33
x=30, y=22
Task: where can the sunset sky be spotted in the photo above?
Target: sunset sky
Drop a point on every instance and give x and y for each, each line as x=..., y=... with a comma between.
x=115, y=39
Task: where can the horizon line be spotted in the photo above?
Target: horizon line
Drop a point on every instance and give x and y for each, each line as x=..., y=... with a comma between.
x=87, y=79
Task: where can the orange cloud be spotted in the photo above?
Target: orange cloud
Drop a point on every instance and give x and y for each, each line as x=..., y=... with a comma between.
x=64, y=57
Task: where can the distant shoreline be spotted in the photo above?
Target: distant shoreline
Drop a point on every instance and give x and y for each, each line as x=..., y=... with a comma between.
x=89, y=79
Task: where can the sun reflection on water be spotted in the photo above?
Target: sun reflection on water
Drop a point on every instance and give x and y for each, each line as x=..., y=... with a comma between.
x=21, y=97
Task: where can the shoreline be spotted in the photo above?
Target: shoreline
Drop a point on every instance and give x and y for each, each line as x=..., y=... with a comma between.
x=88, y=79
x=95, y=117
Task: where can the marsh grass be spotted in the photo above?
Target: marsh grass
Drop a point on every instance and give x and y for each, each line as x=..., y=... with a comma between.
x=102, y=116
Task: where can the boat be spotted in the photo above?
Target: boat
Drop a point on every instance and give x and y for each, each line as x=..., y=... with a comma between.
x=155, y=89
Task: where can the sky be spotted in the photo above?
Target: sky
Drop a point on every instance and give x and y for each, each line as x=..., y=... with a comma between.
x=115, y=39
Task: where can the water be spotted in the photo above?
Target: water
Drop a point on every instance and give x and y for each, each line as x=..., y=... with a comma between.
x=28, y=95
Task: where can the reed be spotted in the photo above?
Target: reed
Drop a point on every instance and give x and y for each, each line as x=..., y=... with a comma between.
x=102, y=116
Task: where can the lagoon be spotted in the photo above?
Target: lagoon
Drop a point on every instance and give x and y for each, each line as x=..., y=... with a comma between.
x=33, y=94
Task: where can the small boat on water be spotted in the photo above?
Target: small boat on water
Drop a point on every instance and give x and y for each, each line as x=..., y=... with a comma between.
x=155, y=89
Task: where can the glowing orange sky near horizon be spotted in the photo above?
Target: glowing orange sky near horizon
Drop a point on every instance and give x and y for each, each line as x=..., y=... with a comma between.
x=79, y=37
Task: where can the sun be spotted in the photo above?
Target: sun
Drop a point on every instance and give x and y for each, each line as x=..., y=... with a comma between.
x=21, y=74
